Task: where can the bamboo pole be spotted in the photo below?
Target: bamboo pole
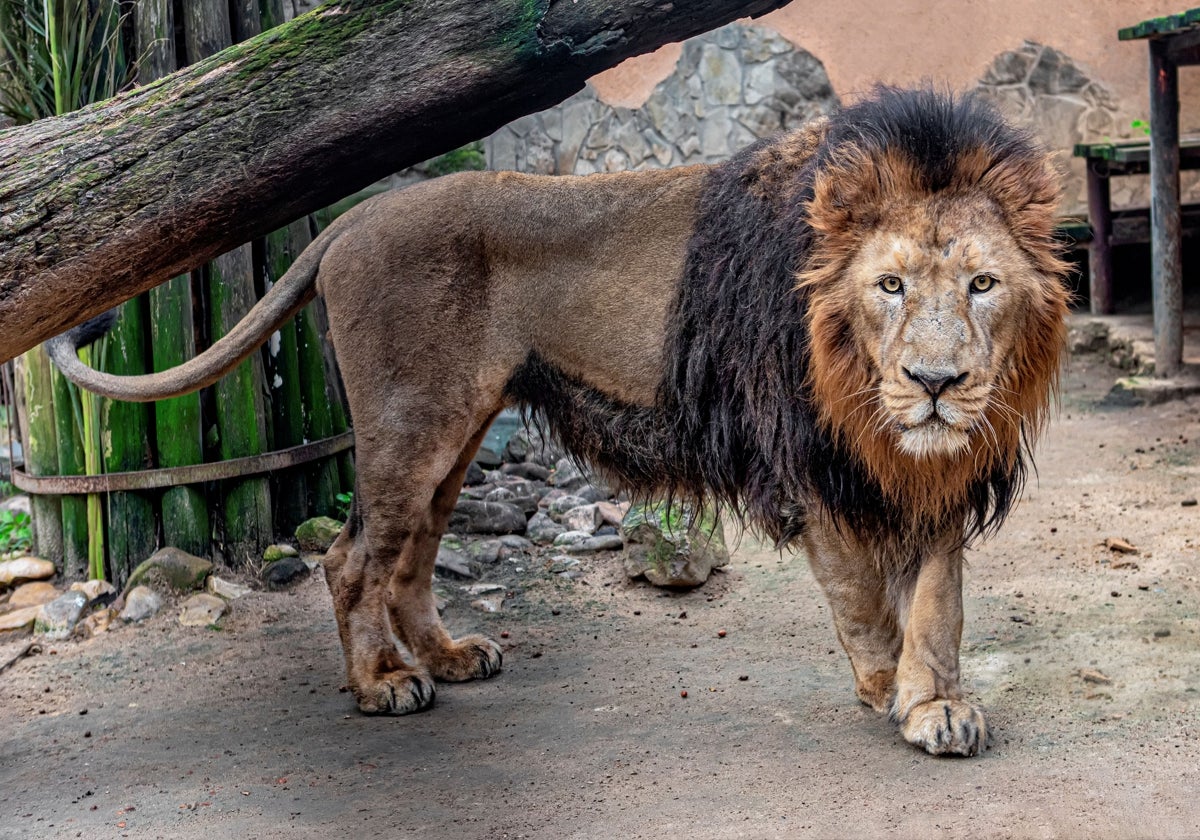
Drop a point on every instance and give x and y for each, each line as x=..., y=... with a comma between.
x=240, y=411
x=132, y=532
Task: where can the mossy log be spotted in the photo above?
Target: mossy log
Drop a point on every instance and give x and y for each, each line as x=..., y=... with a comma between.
x=99, y=205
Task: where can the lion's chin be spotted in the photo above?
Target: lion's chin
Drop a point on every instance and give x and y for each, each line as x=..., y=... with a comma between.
x=933, y=438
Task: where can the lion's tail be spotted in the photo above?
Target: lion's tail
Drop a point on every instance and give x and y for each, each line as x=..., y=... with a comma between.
x=288, y=296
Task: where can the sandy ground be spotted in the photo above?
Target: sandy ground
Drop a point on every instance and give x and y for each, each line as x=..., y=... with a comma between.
x=162, y=731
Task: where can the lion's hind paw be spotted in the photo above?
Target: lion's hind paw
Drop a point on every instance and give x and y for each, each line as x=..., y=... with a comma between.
x=468, y=658
x=947, y=727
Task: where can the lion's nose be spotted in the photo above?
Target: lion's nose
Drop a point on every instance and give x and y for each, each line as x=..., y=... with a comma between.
x=935, y=380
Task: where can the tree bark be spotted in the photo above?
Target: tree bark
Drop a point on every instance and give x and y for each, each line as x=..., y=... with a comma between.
x=104, y=203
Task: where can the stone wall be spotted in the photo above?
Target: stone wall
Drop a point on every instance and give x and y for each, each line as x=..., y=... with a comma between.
x=730, y=87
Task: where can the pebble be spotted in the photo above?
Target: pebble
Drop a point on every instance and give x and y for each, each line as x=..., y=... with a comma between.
x=542, y=529
x=484, y=588
x=526, y=469
x=485, y=551
x=516, y=542
x=284, y=572
x=1162, y=634
x=491, y=605
x=584, y=518
x=202, y=610
x=141, y=602
x=59, y=617
x=564, y=504
x=24, y=569
x=571, y=538
x=1188, y=503
x=171, y=569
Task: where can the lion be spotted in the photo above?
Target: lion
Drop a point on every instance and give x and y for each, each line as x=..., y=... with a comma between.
x=848, y=337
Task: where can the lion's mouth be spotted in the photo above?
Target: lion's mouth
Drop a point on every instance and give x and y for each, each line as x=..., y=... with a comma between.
x=934, y=435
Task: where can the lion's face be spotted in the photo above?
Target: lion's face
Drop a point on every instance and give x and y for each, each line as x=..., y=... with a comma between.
x=937, y=290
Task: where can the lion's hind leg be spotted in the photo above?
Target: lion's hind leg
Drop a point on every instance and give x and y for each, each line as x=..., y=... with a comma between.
x=863, y=613
x=411, y=605
x=380, y=569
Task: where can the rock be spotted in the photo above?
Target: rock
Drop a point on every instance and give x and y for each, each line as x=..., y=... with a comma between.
x=492, y=605
x=203, y=610
x=19, y=621
x=562, y=504
x=551, y=496
x=59, y=617
x=515, y=542
x=500, y=494
x=487, y=459
x=33, y=594
x=278, y=552
x=543, y=530
x=672, y=546
x=485, y=551
x=284, y=573
x=585, y=518
x=571, y=538
x=606, y=543
x=484, y=588
x=1120, y=546
x=94, y=589
x=474, y=475
x=172, y=569
x=141, y=602
x=478, y=492
x=227, y=589
x=612, y=513
x=24, y=569
x=449, y=560
x=98, y=622
x=567, y=476
x=318, y=534
x=526, y=469
x=591, y=493
x=606, y=531
x=17, y=504
x=474, y=517
x=560, y=563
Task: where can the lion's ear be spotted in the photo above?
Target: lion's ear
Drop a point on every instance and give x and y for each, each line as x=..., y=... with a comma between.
x=852, y=190
x=1028, y=189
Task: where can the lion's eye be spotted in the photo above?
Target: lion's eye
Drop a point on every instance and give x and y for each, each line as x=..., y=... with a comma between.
x=981, y=283
x=891, y=284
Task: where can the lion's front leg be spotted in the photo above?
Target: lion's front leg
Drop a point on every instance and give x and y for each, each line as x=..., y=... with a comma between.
x=863, y=615
x=928, y=706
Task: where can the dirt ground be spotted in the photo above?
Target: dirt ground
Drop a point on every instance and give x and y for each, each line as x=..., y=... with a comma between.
x=243, y=732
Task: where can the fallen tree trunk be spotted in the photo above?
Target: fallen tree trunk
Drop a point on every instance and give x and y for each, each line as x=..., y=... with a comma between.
x=104, y=203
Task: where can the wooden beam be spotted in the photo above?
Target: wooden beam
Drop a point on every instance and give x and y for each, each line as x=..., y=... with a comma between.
x=1167, y=275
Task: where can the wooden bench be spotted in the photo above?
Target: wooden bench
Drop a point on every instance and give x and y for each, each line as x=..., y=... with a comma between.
x=1109, y=228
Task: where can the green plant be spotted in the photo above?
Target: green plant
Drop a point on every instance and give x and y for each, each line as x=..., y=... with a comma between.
x=1142, y=126
x=467, y=158
x=16, y=532
x=344, y=500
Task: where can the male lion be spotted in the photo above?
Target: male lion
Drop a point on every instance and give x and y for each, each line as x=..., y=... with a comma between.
x=845, y=335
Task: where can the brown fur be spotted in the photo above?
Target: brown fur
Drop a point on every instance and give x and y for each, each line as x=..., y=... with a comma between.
x=596, y=301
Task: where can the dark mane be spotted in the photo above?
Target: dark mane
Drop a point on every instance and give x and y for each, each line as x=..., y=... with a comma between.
x=735, y=419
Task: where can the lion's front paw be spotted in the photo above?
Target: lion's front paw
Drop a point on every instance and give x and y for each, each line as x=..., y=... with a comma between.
x=946, y=727
x=396, y=693
x=468, y=658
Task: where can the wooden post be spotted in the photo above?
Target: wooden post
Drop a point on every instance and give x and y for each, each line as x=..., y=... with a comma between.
x=1164, y=211
x=67, y=425
x=40, y=439
x=283, y=371
x=1100, y=252
x=324, y=482
x=177, y=424
x=132, y=532
x=240, y=411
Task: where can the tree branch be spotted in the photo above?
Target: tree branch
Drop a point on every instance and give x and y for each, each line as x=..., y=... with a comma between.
x=104, y=203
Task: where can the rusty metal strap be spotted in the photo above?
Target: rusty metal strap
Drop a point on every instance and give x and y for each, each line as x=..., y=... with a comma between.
x=281, y=459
